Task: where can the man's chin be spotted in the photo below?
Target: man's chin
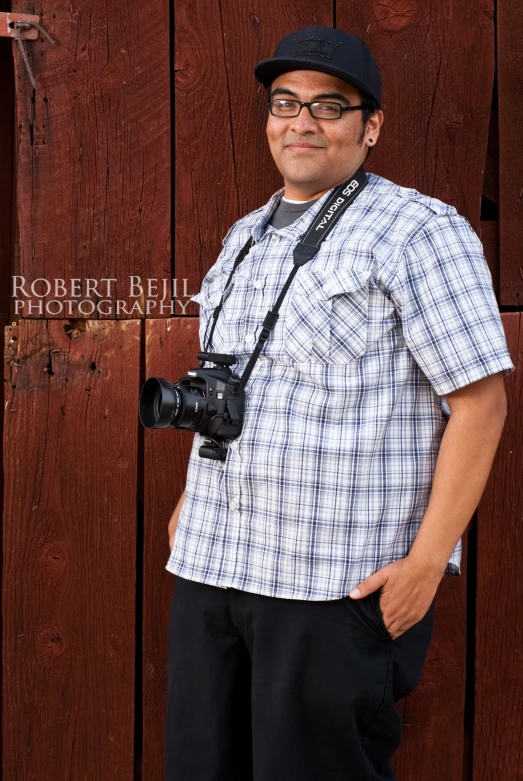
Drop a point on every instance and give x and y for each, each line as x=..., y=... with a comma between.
x=301, y=173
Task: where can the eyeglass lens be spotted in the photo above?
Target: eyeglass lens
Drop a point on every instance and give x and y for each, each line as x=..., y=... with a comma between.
x=291, y=108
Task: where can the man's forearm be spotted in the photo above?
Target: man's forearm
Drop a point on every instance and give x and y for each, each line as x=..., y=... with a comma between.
x=464, y=462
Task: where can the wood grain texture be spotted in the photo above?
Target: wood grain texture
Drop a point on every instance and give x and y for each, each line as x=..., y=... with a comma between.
x=94, y=150
x=3, y=324
x=509, y=30
x=432, y=746
x=489, y=236
x=69, y=550
x=436, y=118
x=7, y=182
x=252, y=35
x=171, y=347
x=223, y=165
x=491, y=172
x=498, y=722
x=206, y=202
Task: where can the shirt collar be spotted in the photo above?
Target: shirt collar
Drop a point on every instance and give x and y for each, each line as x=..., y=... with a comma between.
x=299, y=227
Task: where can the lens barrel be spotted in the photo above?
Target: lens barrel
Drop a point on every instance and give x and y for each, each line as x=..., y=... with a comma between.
x=160, y=403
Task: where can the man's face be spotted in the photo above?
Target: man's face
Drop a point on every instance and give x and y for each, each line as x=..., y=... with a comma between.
x=314, y=155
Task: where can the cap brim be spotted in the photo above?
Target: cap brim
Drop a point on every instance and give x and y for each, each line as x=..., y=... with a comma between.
x=268, y=70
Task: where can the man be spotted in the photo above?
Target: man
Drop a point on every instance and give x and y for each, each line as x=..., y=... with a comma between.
x=308, y=561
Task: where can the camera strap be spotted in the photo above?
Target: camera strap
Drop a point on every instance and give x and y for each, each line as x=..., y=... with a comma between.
x=340, y=199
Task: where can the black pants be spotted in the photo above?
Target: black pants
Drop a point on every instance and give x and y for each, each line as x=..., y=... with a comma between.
x=269, y=689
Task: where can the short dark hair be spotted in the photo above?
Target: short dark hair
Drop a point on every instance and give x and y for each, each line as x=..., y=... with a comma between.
x=370, y=109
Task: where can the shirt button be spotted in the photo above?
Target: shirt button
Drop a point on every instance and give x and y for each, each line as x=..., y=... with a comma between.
x=234, y=504
x=249, y=338
x=257, y=283
x=234, y=446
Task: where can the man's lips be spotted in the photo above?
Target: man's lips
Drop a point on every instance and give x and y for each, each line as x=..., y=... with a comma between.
x=303, y=147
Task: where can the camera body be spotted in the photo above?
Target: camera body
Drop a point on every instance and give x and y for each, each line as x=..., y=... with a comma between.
x=205, y=400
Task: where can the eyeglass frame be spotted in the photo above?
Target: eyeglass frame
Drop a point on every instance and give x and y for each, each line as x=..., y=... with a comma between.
x=302, y=104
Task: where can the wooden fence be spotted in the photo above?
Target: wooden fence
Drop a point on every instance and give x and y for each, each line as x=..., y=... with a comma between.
x=142, y=143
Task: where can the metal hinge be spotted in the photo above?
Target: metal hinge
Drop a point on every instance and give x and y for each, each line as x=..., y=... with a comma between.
x=8, y=30
x=22, y=27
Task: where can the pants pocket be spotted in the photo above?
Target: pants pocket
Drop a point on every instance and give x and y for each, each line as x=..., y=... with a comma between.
x=374, y=601
x=379, y=615
x=422, y=625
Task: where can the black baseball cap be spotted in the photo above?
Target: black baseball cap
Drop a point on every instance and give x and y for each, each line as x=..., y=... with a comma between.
x=328, y=50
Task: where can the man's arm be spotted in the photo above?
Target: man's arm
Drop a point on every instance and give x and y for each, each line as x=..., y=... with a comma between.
x=173, y=523
x=466, y=453
x=465, y=457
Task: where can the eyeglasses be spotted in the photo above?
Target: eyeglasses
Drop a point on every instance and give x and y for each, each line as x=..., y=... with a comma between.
x=319, y=110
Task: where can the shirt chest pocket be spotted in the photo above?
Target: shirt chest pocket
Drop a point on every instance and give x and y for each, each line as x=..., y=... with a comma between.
x=326, y=318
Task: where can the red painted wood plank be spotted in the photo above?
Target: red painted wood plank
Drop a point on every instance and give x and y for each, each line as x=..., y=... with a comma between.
x=7, y=194
x=429, y=751
x=3, y=324
x=94, y=152
x=171, y=347
x=223, y=165
x=510, y=108
x=436, y=118
x=205, y=195
x=69, y=550
x=498, y=721
x=491, y=173
x=489, y=235
x=252, y=35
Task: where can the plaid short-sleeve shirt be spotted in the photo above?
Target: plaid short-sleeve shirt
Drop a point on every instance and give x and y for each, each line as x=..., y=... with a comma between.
x=330, y=477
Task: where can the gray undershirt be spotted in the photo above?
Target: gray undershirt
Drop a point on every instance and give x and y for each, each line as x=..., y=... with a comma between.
x=287, y=212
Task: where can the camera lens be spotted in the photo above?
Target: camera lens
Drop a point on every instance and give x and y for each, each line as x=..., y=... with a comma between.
x=192, y=407
x=163, y=403
x=159, y=403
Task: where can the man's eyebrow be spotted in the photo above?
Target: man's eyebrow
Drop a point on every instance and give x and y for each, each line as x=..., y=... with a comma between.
x=336, y=95
x=321, y=96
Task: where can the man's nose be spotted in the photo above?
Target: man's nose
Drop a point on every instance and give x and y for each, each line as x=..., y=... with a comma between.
x=304, y=121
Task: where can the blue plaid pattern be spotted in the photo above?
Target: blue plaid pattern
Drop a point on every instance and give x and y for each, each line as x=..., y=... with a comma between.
x=331, y=475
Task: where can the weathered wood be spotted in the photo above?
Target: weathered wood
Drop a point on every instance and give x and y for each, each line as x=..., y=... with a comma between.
x=429, y=749
x=69, y=550
x=7, y=184
x=3, y=324
x=491, y=172
x=223, y=165
x=498, y=719
x=171, y=347
x=206, y=201
x=510, y=108
x=252, y=35
x=434, y=135
x=7, y=31
x=489, y=235
x=94, y=152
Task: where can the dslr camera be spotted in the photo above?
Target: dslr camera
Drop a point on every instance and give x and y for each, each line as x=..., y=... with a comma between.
x=205, y=400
